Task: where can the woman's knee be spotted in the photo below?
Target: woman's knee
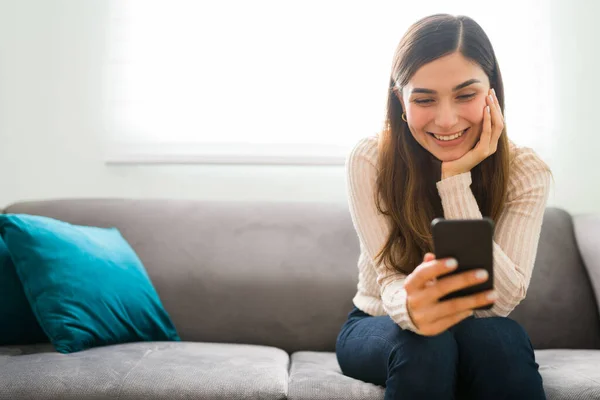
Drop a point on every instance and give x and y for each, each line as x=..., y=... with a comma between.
x=424, y=349
x=492, y=332
x=504, y=324
x=423, y=356
x=423, y=366
x=412, y=344
x=363, y=347
x=385, y=349
x=496, y=354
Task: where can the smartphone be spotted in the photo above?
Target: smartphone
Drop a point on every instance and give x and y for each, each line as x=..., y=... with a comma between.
x=470, y=242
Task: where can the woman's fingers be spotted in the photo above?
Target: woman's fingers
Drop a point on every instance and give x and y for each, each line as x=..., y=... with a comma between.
x=486, y=132
x=442, y=287
x=496, y=102
x=456, y=282
x=427, y=271
x=443, y=309
x=429, y=257
x=497, y=121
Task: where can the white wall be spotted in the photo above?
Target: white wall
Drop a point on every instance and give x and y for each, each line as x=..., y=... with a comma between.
x=575, y=161
x=52, y=139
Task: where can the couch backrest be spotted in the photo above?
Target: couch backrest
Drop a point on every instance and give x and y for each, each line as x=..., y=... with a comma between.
x=283, y=275
x=587, y=233
x=560, y=310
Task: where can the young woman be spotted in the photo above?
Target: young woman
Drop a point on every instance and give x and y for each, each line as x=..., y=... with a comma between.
x=443, y=152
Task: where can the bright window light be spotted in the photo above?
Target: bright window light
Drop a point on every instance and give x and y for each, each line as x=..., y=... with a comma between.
x=302, y=81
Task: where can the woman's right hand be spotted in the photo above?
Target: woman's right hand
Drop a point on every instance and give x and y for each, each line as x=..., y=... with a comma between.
x=423, y=291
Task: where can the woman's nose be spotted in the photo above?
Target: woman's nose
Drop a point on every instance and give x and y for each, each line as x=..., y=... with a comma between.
x=446, y=117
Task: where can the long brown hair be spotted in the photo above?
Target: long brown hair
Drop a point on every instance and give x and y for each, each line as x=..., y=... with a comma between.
x=407, y=173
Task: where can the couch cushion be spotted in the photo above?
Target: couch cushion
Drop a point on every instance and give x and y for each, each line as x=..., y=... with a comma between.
x=18, y=324
x=567, y=374
x=570, y=374
x=149, y=370
x=560, y=309
x=86, y=286
x=317, y=375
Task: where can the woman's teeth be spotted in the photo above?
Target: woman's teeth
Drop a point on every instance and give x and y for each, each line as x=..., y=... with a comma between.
x=451, y=137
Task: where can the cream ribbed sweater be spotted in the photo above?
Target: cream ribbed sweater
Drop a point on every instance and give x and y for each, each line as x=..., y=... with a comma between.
x=516, y=236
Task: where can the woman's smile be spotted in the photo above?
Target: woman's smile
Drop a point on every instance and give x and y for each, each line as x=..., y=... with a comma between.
x=449, y=140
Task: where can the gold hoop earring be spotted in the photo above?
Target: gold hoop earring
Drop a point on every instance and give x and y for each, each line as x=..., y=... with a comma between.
x=404, y=117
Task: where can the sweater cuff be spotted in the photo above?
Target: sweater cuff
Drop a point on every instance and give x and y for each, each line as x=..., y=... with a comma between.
x=454, y=183
x=457, y=198
x=394, y=304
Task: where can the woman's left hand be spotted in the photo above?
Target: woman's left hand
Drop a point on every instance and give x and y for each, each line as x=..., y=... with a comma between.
x=493, y=124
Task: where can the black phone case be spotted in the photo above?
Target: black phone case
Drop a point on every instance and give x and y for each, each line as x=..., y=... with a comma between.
x=470, y=242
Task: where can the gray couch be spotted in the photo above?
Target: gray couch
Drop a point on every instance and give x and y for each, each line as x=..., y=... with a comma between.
x=258, y=292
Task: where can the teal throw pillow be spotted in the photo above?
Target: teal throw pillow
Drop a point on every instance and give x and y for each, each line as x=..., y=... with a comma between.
x=18, y=325
x=86, y=285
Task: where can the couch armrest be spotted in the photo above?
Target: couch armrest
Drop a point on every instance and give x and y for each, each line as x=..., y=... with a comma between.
x=587, y=234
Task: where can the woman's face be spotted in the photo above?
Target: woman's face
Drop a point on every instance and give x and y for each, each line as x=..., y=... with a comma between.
x=446, y=97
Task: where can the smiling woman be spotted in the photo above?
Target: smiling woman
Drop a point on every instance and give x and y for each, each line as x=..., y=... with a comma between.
x=443, y=152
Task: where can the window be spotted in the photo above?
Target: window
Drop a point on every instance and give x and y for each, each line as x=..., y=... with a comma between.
x=290, y=82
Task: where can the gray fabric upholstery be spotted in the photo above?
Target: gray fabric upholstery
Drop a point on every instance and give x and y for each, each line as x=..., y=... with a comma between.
x=587, y=233
x=282, y=276
x=567, y=375
x=279, y=275
x=559, y=310
x=317, y=375
x=145, y=371
x=570, y=374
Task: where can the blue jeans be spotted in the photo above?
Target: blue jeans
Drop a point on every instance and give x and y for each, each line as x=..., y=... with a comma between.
x=478, y=358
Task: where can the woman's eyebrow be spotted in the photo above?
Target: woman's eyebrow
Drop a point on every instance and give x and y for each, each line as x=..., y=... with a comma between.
x=454, y=89
x=465, y=84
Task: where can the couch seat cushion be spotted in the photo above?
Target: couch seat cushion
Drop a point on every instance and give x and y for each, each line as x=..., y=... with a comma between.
x=148, y=370
x=567, y=374
x=317, y=375
x=570, y=374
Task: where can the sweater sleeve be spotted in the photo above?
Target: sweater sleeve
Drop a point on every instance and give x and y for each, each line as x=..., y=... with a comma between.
x=517, y=230
x=373, y=229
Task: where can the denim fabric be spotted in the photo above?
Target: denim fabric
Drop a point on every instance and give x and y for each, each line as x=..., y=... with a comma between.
x=478, y=358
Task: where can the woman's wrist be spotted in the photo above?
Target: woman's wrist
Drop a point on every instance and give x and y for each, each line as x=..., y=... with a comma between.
x=447, y=173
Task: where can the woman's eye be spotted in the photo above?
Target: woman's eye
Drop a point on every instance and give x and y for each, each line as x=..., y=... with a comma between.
x=423, y=101
x=466, y=96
